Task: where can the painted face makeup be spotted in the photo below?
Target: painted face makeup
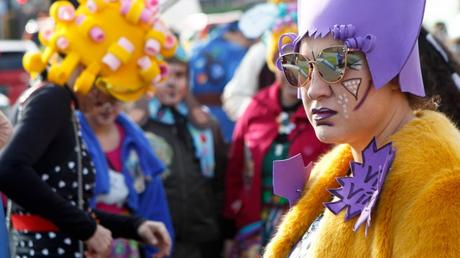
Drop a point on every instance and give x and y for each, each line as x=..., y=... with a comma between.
x=355, y=62
x=343, y=103
x=352, y=86
x=363, y=99
x=320, y=116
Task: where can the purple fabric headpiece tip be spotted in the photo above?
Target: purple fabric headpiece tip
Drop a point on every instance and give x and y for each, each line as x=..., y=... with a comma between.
x=359, y=193
x=290, y=177
x=386, y=31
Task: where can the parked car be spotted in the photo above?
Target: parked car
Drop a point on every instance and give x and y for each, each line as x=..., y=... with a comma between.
x=13, y=78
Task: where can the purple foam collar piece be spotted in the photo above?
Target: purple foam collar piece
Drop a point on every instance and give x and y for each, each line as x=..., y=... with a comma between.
x=387, y=29
x=359, y=193
x=290, y=177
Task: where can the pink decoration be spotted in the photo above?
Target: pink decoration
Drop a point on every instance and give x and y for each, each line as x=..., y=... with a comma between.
x=126, y=44
x=147, y=15
x=152, y=47
x=151, y=2
x=144, y=63
x=47, y=34
x=96, y=34
x=62, y=43
x=80, y=18
x=125, y=5
x=170, y=41
x=91, y=5
x=164, y=70
x=111, y=61
x=66, y=13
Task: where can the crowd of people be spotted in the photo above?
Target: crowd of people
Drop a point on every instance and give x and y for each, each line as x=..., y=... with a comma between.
x=128, y=145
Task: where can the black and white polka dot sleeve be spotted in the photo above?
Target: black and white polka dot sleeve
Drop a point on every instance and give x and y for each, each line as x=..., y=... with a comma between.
x=41, y=136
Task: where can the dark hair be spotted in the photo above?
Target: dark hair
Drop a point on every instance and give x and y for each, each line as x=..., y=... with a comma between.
x=439, y=70
x=176, y=60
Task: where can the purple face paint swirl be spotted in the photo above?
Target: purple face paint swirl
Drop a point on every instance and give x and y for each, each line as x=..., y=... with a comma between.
x=359, y=193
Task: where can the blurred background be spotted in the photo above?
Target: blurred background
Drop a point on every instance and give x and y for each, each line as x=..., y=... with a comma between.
x=20, y=21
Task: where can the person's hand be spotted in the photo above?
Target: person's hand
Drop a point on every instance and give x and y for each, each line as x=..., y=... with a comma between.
x=252, y=252
x=155, y=233
x=228, y=246
x=99, y=244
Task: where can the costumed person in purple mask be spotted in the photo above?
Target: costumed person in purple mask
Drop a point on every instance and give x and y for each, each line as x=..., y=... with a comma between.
x=273, y=127
x=46, y=170
x=389, y=189
x=128, y=174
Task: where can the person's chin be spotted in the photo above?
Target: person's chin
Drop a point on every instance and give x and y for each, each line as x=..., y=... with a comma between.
x=105, y=122
x=170, y=102
x=327, y=133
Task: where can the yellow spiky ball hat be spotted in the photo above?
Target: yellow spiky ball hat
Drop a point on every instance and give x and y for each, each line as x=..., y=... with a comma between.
x=120, y=44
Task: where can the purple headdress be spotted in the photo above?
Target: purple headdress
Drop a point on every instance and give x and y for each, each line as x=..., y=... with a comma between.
x=286, y=48
x=386, y=31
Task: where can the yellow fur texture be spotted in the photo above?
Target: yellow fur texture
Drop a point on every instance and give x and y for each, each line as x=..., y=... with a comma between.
x=417, y=215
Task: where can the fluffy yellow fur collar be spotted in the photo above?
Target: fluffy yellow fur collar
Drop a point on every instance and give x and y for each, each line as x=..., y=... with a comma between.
x=426, y=144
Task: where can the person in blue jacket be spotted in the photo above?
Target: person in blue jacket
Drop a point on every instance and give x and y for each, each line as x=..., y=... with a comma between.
x=4, y=251
x=127, y=170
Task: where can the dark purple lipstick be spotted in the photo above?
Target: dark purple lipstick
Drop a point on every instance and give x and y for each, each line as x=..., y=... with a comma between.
x=320, y=114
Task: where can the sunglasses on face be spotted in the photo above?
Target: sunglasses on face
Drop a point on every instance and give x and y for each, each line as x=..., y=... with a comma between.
x=330, y=63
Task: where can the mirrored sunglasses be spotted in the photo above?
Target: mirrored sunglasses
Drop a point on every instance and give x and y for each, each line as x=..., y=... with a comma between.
x=331, y=64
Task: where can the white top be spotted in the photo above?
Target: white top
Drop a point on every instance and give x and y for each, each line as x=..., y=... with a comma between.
x=243, y=86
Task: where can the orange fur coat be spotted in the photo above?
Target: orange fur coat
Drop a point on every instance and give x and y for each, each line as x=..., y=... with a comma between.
x=418, y=212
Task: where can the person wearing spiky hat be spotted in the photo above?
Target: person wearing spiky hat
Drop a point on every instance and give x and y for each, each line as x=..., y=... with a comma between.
x=114, y=48
x=389, y=189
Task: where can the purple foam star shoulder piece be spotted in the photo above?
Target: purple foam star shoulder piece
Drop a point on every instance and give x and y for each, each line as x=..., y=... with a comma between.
x=290, y=177
x=359, y=192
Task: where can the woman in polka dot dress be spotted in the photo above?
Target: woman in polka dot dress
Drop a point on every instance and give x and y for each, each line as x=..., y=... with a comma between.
x=45, y=169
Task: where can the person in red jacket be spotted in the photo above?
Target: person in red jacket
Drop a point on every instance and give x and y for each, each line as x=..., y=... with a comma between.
x=274, y=127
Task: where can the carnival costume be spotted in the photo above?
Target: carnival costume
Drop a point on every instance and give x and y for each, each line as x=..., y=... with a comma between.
x=400, y=201
x=113, y=45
